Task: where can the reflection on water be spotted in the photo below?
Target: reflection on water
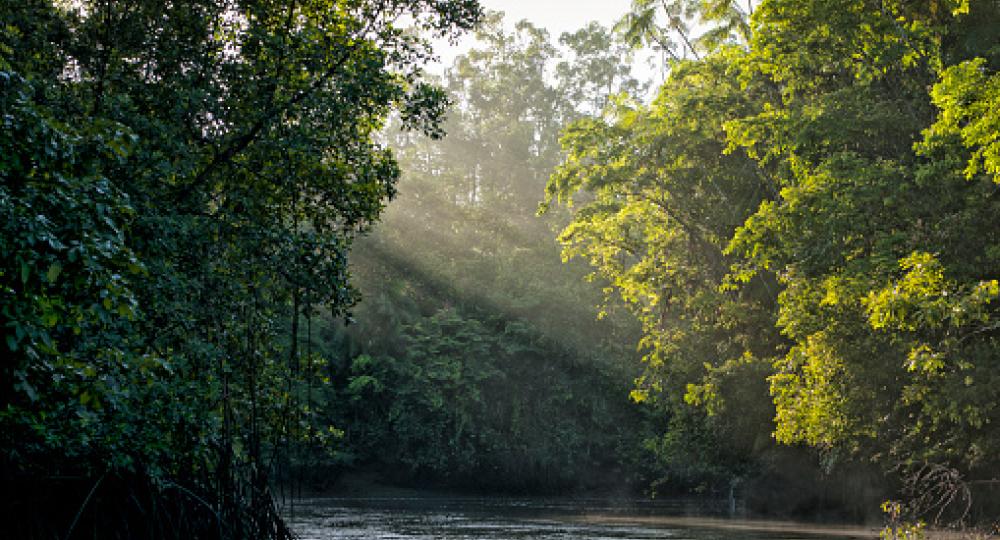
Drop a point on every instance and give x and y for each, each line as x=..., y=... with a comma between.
x=489, y=519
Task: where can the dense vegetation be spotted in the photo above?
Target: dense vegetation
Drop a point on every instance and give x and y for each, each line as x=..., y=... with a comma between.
x=180, y=180
x=476, y=359
x=778, y=279
x=805, y=220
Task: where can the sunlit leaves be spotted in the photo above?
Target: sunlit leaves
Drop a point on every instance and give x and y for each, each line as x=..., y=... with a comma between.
x=968, y=96
x=885, y=247
x=660, y=199
x=874, y=211
x=809, y=395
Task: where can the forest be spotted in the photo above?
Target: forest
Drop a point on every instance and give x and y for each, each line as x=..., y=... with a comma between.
x=251, y=248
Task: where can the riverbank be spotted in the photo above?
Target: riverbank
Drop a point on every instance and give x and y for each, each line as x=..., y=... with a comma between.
x=768, y=526
x=772, y=526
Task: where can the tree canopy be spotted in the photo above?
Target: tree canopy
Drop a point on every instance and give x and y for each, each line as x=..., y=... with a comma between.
x=799, y=233
x=813, y=208
x=181, y=180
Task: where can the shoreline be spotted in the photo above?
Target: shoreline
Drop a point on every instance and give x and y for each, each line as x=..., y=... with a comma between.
x=761, y=525
x=771, y=526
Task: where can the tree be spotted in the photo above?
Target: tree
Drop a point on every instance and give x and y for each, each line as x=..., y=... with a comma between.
x=670, y=26
x=663, y=199
x=225, y=160
x=884, y=253
x=809, y=177
x=463, y=274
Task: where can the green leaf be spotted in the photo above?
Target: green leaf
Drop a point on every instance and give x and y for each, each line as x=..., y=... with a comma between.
x=53, y=272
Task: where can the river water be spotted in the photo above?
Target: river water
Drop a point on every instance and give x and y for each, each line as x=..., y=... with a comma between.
x=535, y=519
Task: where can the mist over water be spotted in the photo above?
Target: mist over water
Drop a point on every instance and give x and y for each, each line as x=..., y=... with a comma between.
x=536, y=519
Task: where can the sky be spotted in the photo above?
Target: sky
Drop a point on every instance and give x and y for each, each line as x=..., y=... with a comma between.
x=557, y=16
x=560, y=16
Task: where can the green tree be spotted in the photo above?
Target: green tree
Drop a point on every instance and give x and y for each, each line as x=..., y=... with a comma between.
x=463, y=245
x=802, y=199
x=883, y=236
x=221, y=161
x=684, y=29
x=663, y=199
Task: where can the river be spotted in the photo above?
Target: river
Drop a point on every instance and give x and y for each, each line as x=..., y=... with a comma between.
x=536, y=519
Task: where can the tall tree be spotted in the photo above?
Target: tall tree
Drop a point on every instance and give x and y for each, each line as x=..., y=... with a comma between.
x=472, y=299
x=884, y=237
x=867, y=245
x=227, y=160
x=663, y=199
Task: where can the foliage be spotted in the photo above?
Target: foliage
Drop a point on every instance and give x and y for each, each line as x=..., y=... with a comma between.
x=461, y=277
x=210, y=166
x=670, y=26
x=968, y=99
x=810, y=184
x=489, y=405
x=665, y=197
x=896, y=529
x=803, y=224
x=912, y=282
x=68, y=301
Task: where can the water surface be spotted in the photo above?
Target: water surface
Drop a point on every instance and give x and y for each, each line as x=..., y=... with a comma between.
x=536, y=519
